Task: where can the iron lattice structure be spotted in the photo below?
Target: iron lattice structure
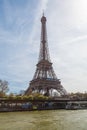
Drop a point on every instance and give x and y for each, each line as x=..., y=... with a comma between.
x=44, y=79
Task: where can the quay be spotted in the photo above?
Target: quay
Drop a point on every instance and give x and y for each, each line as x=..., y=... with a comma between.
x=9, y=105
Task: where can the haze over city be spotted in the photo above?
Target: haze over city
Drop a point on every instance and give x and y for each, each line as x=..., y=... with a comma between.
x=20, y=31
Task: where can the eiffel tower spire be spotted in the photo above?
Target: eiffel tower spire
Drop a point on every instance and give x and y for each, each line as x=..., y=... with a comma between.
x=44, y=66
x=44, y=53
x=44, y=78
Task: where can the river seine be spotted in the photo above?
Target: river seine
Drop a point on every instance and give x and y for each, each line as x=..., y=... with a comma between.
x=44, y=120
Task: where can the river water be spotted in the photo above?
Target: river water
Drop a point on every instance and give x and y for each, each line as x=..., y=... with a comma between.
x=44, y=120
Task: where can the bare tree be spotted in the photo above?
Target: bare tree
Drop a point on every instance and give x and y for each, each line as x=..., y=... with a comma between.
x=3, y=87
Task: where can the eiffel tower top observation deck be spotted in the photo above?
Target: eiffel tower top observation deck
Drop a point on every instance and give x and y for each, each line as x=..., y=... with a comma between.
x=44, y=78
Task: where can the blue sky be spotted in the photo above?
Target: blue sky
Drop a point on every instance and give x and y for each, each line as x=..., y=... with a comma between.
x=20, y=40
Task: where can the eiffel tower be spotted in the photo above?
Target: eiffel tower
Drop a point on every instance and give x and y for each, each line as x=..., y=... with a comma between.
x=45, y=79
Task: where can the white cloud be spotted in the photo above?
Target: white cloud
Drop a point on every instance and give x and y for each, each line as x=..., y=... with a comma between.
x=67, y=41
x=20, y=43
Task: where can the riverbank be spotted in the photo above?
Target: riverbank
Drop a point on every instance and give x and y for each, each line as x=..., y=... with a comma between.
x=32, y=105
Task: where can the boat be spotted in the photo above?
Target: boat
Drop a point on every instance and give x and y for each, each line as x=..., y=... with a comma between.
x=73, y=106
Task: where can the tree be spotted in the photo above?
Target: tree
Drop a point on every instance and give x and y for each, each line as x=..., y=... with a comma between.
x=3, y=88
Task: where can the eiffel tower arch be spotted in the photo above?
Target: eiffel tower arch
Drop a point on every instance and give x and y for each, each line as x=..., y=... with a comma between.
x=45, y=79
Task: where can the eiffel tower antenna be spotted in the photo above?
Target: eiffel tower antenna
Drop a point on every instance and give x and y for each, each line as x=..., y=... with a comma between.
x=44, y=79
x=43, y=12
